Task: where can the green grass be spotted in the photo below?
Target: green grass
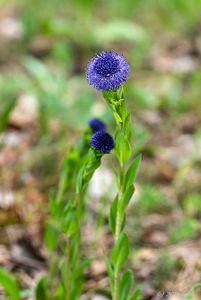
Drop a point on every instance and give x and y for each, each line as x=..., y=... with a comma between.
x=151, y=200
x=187, y=229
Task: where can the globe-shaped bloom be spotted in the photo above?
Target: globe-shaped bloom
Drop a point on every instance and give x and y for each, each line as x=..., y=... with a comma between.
x=107, y=71
x=97, y=125
x=102, y=141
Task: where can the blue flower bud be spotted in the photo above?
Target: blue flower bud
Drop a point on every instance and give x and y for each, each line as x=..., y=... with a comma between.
x=102, y=141
x=107, y=71
x=97, y=125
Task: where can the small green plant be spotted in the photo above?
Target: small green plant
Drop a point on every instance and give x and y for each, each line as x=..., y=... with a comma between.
x=166, y=266
x=67, y=210
x=150, y=200
x=192, y=205
x=187, y=229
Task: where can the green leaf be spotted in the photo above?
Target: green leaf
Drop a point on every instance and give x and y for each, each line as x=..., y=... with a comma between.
x=9, y=284
x=113, y=103
x=132, y=171
x=126, y=285
x=120, y=253
x=117, y=117
x=126, y=198
x=128, y=127
x=80, y=180
x=110, y=270
x=9, y=105
x=136, y=295
x=41, y=291
x=108, y=95
x=122, y=147
x=70, y=222
x=122, y=109
x=51, y=237
x=120, y=92
x=190, y=295
x=113, y=213
x=123, y=223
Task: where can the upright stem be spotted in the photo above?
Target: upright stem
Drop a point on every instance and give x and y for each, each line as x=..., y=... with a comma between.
x=117, y=104
x=118, y=217
x=73, y=254
x=116, y=275
x=118, y=225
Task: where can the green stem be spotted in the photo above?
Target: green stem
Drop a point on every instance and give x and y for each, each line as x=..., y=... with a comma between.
x=118, y=226
x=118, y=231
x=53, y=270
x=118, y=217
x=68, y=271
x=116, y=275
x=117, y=103
x=72, y=260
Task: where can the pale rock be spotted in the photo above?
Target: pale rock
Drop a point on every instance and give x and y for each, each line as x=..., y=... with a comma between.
x=11, y=29
x=6, y=199
x=25, y=112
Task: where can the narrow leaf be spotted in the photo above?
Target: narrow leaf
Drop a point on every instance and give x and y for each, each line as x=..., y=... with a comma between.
x=122, y=147
x=110, y=270
x=41, y=289
x=9, y=106
x=120, y=92
x=190, y=295
x=132, y=171
x=128, y=127
x=126, y=198
x=9, y=284
x=123, y=223
x=136, y=295
x=126, y=285
x=117, y=117
x=120, y=252
x=123, y=109
x=51, y=237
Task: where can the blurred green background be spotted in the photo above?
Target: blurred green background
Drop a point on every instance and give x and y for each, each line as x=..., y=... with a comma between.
x=46, y=103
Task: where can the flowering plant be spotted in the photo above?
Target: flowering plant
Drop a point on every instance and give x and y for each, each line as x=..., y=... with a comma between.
x=108, y=71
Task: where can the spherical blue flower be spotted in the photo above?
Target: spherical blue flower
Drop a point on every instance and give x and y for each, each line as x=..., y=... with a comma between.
x=102, y=141
x=97, y=125
x=107, y=71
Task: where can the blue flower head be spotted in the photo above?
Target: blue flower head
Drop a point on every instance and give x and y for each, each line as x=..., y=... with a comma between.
x=97, y=125
x=102, y=141
x=107, y=71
